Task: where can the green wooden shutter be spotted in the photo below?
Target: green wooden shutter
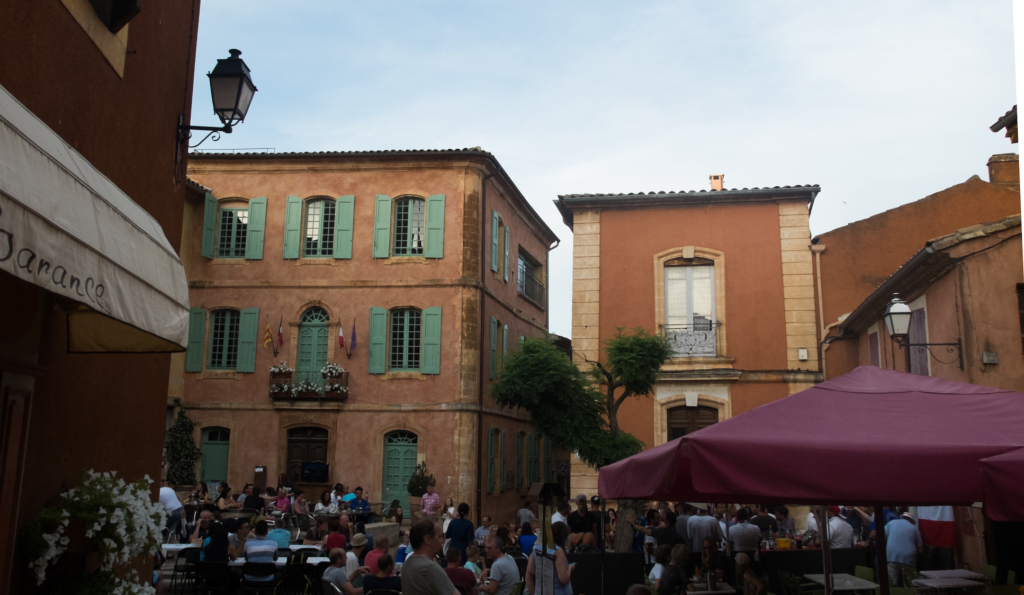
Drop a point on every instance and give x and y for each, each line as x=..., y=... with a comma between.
x=344, y=215
x=435, y=227
x=382, y=227
x=494, y=241
x=378, y=340
x=504, y=347
x=248, y=333
x=209, y=225
x=501, y=478
x=430, y=357
x=531, y=457
x=255, y=229
x=292, y=228
x=490, y=460
x=519, y=459
x=494, y=347
x=506, y=254
x=549, y=461
x=196, y=330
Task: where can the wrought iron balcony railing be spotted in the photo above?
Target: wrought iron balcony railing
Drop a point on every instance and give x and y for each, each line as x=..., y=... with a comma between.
x=531, y=287
x=697, y=340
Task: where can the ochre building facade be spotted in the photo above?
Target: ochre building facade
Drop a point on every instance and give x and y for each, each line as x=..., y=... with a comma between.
x=726, y=274
x=431, y=263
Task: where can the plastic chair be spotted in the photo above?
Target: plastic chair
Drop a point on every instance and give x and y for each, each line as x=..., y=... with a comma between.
x=188, y=571
x=180, y=565
x=330, y=588
x=864, y=573
x=909, y=576
x=1011, y=578
x=213, y=577
x=990, y=572
x=297, y=579
x=259, y=569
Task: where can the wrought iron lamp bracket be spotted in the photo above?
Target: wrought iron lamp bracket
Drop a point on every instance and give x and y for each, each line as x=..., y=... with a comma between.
x=949, y=349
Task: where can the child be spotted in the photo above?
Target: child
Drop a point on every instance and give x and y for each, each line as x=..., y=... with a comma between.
x=473, y=561
x=403, y=550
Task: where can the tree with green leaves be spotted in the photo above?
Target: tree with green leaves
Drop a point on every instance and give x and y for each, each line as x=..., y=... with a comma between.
x=562, y=402
x=632, y=363
x=181, y=449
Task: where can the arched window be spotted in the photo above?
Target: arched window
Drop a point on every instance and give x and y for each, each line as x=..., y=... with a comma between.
x=313, y=331
x=400, y=449
x=687, y=420
x=224, y=340
x=319, y=228
x=405, y=339
x=409, y=227
x=234, y=223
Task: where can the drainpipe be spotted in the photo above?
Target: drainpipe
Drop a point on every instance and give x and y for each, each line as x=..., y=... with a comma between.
x=817, y=249
x=483, y=325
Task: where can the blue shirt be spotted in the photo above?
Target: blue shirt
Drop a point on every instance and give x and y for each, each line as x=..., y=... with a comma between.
x=638, y=537
x=280, y=537
x=526, y=543
x=358, y=504
x=889, y=517
x=902, y=539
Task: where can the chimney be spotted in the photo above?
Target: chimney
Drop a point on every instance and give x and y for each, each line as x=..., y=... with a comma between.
x=716, y=181
x=1004, y=169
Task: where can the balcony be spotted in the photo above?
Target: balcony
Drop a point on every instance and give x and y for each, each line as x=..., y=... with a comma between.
x=531, y=288
x=308, y=386
x=697, y=340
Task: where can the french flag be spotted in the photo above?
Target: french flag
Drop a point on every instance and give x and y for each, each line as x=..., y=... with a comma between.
x=937, y=526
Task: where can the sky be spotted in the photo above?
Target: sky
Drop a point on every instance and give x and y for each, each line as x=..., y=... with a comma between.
x=880, y=103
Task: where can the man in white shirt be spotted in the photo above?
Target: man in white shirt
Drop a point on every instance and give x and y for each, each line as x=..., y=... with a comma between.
x=562, y=514
x=703, y=525
x=840, y=533
x=175, y=510
x=745, y=538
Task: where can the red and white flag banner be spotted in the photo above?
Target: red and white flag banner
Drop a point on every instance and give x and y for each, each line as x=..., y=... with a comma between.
x=937, y=526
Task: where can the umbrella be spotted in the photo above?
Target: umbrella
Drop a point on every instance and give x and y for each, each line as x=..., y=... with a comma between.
x=871, y=437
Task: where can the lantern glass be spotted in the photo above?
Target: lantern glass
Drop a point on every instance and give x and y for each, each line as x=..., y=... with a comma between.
x=232, y=89
x=225, y=97
x=897, y=319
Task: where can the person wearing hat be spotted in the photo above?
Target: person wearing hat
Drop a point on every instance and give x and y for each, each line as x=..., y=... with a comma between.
x=840, y=533
x=355, y=555
x=582, y=524
x=902, y=547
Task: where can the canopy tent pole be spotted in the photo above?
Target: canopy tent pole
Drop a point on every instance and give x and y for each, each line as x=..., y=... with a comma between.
x=826, y=549
x=880, y=557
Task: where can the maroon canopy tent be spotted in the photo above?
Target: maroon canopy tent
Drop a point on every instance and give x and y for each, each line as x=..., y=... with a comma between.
x=869, y=437
x=872, y=437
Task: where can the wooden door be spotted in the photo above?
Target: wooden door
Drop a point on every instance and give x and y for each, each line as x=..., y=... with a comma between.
x=399, y=463
x=687, y=420
x=305, y=445
x=214, y=465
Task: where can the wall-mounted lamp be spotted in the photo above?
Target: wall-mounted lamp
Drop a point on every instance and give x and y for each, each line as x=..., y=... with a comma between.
x=897, y=323
x=232, y=90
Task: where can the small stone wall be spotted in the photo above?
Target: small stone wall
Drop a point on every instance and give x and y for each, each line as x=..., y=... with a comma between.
x=390, y=530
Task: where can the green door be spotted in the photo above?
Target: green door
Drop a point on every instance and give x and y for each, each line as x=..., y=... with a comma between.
x=312, y=345
x=215, y=454
x=399, y=464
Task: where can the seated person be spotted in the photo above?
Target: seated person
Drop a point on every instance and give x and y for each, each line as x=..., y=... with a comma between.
x=335, y=538
x=202, y=529
x=239, y=537
x=317, y=534
x=324, y=505
x=283, y=503
x=300, y=506
x=252, y=500
x=339, y=577
x=582, y=524
x=384, y=578
x=260, y=549
x=216, y=547
x=405, y=549
x=459, y=576
x=473, y=561
x=282, y=537
x=336, y=496
x=224, y=500
x=360, y=505
x=361, y=528
x=715, y=561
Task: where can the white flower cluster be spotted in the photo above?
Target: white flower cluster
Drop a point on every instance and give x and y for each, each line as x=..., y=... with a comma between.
x=281, y=388
x=281, y=367
x=131, y=585
x=127, y=522
x=335, y=388
x=332, y=370
x=305, y=387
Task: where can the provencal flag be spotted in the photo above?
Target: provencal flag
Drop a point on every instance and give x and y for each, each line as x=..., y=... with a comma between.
x=267, y=337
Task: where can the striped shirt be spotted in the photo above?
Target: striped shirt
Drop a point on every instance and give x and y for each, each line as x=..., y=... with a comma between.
x=429, y=503
x=260, y=549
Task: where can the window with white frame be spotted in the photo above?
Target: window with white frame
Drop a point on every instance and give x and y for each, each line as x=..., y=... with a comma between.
x=690, y=309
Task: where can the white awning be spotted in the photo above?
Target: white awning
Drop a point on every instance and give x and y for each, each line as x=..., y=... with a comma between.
x=68, y=229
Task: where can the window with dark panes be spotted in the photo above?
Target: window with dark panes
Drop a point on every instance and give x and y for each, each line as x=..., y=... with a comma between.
x=405, y=339
x=409, y=227
x=233, y=226
x=319, y=228
x=224, y=340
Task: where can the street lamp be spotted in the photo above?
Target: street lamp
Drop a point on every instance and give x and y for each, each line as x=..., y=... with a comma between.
x=232, y=90
x=897, y=323
x=897, y=319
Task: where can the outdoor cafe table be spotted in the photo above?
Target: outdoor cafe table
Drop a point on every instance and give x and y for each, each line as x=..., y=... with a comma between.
x=947, y=583
x=723, y=589
x=177, y=547
x=957, y=573
x=843, y=582
x=280, y=562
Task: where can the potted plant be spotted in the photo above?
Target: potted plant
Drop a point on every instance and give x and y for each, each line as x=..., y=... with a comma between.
x=281, y=370
x=281, y=391
x=334, y=372
x=108, y=523
x=336, y=391
x=305, y=390
x=418, y=483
